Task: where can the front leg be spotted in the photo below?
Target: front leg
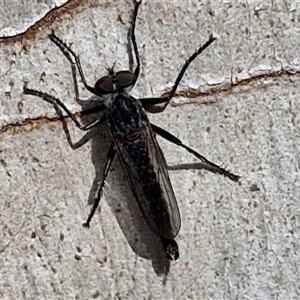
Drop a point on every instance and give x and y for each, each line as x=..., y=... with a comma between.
x=56, y=102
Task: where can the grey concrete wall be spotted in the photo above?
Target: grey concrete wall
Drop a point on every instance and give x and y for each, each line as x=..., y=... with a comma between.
x=238, y=105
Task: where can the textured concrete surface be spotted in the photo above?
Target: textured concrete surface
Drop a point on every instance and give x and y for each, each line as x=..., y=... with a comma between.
x=237, y=241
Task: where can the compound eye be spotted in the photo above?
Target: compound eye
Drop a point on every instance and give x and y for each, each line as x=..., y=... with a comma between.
x=104, y=85
x=125, y=79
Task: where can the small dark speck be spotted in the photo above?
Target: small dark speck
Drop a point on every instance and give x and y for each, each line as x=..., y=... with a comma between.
x=20, y=106
x=100, y=262
x=7, y=95
x=53, y=270
x=254, y=188
x=35, y=159
x=33, y=235
x=43, y=227
x=79, y=249
x=96, y=295
x=77, y=257
x=211, y=12
x=119, y=19
x=3, y=162
x=208, y=129
x=25, y=48
x=42, y=77
x=160, y=22
x=61, y=237
x=39, y=254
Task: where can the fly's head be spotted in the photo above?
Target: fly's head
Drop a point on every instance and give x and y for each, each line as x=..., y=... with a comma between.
x=124, y=112
x=113, y=84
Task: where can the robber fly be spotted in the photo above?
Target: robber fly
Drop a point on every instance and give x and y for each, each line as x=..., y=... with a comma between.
x=134, y=140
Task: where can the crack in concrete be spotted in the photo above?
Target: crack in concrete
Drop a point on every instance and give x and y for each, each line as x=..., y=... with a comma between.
x=209, y=94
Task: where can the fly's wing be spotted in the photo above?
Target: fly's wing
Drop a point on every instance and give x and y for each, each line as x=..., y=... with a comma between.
x=146, y=170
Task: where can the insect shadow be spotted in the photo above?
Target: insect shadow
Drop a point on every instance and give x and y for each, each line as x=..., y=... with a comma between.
x=133, y=139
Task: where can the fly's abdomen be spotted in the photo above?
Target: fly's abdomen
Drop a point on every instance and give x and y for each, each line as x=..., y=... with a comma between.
x=148, y=189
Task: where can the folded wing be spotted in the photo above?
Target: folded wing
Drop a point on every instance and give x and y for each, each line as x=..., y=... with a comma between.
x=146, y=170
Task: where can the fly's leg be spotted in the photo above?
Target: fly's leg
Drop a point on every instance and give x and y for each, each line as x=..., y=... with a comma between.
x=132, y=34
x=69, y=53
x=149, y=102
x=79, y=143
x=110, y=157
x=171, y=138
x=58, y=104
x=73, y=65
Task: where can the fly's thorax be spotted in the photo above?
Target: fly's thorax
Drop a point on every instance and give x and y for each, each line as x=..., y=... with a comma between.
x=125, y=115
